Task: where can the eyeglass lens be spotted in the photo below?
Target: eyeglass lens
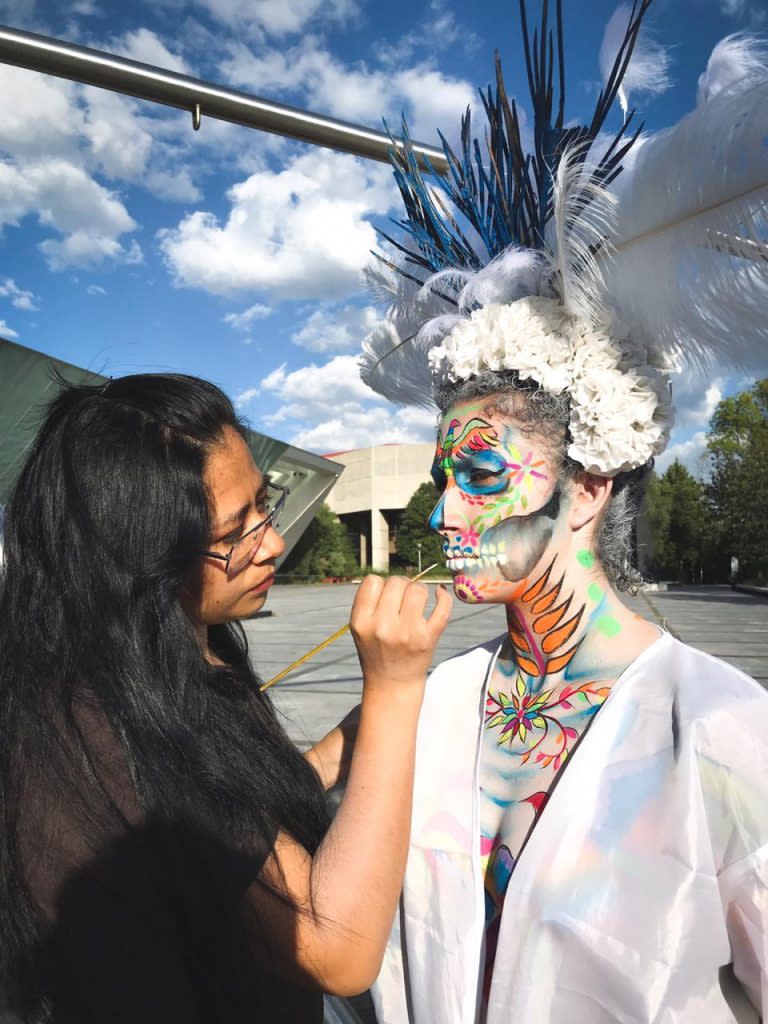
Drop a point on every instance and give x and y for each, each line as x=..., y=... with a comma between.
x=245, y=549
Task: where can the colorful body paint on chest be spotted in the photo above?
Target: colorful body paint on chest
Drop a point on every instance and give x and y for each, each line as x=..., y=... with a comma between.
x=537, y=709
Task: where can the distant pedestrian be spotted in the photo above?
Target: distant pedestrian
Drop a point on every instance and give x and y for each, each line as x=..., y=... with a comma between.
x=734, y=576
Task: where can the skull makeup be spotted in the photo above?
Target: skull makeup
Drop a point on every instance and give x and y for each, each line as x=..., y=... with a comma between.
x=500, y=507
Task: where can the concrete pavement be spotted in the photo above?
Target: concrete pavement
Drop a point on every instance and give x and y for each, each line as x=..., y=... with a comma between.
x=729, y=624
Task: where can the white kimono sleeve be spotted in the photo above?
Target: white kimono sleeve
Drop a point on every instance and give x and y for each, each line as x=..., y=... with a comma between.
x=744, y=891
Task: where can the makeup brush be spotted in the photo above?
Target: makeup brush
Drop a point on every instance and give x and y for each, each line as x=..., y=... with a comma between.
x=328, y=640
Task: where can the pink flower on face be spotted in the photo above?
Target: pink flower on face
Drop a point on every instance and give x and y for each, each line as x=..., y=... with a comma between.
x=466, y=590
x=468, y=539
x=526, y=470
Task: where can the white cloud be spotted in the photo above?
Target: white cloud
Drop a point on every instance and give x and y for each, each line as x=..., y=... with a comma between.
x=313, y=391
x=96, y=289
x=690, y=452
x=243, y=321
x=119, y=141
x=277, y=18
x=328, y=408
x=65, y=198
x=173, y=184
x=361, y=428
x=438, y=30
x=696, y=398
x=299, y=233
x=20, y=297
x=6, y=331
x=18, y=12
x=83, y=249
x=335, y=330
x=754, y=13
x=60, y=140
x=431, y=99
x=42, y=120
x=53, y=138
x=146, y=47
x=246, y=396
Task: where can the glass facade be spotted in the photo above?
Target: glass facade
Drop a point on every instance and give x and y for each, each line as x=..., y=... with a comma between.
x=28, y=381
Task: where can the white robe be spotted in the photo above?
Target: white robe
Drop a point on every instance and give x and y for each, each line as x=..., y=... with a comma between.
x=645, y=877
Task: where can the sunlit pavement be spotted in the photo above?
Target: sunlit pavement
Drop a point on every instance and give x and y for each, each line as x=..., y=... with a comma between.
x=727, y=623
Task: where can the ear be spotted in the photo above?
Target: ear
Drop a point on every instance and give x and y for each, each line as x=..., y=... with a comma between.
x=589, y=496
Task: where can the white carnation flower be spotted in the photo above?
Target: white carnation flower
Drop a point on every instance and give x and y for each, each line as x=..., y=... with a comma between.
x=620, y=400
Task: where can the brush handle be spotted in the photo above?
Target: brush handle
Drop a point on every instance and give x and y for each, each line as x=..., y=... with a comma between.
x=325, y=643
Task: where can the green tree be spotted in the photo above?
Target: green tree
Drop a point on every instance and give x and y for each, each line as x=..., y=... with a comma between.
x=679, y=520
x=413, y=529
x=737, y=443
x=657, y=509
x=324, y=549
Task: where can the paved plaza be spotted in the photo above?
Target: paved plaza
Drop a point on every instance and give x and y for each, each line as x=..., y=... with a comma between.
x=729, y=624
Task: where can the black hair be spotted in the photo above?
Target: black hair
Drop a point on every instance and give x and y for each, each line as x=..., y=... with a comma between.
x=102, y=534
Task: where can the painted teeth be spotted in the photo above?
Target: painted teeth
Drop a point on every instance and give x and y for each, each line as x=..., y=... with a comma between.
x=484, y=561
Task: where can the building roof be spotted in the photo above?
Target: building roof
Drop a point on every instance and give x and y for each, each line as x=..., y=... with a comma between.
x=367, y=448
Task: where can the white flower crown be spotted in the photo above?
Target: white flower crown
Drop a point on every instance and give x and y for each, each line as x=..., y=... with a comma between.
x=620, y=392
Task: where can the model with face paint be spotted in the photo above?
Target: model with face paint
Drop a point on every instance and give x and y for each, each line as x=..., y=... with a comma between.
x=518, y=532
x=582, y=790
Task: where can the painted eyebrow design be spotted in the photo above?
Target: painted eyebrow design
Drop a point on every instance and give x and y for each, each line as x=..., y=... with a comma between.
x=478, y=458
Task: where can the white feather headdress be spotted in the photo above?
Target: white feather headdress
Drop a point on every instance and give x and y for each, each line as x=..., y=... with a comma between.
x=581, y=278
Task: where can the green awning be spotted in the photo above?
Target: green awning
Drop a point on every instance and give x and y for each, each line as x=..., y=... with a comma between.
x=28, y=382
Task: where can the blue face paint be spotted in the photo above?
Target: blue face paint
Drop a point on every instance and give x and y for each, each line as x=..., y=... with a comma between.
x=439, y=476
x=483, y=473
x=435, y=521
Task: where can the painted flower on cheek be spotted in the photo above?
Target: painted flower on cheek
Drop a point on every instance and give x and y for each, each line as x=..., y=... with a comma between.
x=468, y=539
x=466, y=590
x=525, y=469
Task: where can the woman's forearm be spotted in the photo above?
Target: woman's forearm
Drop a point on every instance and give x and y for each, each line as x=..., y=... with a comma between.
x=347, y=893
x=333, y=928
x=357, y=872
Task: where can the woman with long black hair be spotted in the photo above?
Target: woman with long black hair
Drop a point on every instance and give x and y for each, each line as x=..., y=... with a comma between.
x=165, y=852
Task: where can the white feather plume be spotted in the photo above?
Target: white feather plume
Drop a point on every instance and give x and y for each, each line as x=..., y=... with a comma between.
x=514, y=273
x=737, y=62
x=648, y=69
x=394, y=360
x=396, y=365
x=583, y=221
x=671, y=280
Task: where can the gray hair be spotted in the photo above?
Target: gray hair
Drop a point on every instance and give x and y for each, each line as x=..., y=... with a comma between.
x=535, y=412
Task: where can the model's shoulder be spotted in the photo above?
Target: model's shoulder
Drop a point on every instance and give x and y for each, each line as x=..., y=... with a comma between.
x=697, y=682
x=691, y=664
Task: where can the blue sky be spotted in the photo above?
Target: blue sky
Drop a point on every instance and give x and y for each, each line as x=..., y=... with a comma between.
x=131, y=243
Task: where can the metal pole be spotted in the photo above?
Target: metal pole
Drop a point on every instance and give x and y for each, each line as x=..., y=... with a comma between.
x=200, y=98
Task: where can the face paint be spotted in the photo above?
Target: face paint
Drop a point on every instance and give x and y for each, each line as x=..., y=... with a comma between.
x=500, y=507
x=585, y=558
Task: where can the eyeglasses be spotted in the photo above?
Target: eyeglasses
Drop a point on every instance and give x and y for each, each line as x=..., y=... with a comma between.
x=245, y=547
